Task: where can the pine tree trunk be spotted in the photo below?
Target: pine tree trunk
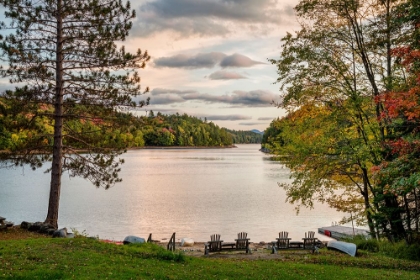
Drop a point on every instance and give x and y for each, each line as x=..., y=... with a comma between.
x=56, y=168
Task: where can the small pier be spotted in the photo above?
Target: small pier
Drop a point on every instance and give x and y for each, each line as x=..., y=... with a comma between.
x=340, y=232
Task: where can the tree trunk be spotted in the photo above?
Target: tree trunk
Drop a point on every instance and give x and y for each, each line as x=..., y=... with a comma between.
x=56, y=168
x=367, y=204
x=394, y=218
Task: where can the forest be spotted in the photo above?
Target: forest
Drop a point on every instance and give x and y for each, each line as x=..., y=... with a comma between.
x=245, y=137
x=350, y=82
x=125, y=131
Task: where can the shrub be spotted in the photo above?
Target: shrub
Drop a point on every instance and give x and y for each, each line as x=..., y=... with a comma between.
x=401, y=250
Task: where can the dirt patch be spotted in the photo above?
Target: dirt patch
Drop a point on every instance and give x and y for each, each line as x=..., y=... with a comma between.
x=16, y=232
x=258, y=251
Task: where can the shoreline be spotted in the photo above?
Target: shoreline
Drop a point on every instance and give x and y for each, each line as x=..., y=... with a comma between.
x=181, y=147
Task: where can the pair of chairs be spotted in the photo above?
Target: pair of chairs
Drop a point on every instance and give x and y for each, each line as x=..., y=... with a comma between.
x=217, y=245
x=283, y=242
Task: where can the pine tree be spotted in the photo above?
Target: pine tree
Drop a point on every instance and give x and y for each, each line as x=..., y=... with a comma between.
x=63, y=57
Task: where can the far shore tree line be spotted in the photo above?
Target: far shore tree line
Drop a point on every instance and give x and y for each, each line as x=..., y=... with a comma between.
x=350, y=81
x=124, y=131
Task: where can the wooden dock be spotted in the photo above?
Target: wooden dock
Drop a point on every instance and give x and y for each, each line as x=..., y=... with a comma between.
x=340, y=232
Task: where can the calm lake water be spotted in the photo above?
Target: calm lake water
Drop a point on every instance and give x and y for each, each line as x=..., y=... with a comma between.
x=193, y=192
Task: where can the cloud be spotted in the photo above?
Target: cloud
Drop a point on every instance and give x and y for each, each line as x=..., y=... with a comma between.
x=238, y=60
x=224, y=75
x=266, y=119
x=166, y=99
x=205, y=60
x=255, y=98
x=209, y=17
x=160, y=91
x=227, y=117
x=201, y=60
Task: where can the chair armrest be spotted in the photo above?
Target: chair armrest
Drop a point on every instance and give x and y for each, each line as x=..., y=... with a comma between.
x=218, y=241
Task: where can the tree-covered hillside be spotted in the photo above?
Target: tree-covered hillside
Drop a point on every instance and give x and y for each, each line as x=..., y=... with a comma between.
x=245, y=137
x=123, y=130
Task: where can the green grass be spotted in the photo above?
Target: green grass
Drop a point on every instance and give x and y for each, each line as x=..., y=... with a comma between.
x=84, y=258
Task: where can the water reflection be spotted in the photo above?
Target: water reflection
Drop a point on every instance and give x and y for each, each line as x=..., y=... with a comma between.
x=192, y=192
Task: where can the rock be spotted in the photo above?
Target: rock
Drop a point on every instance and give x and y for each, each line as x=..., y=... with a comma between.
x=187, y=242
x=60, y=233
x=25, y=225
x=45, y=228
x=35, y=226
x=70, y=235
x=133, y=239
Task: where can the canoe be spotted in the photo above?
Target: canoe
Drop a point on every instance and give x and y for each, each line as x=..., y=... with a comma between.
x=345, y=247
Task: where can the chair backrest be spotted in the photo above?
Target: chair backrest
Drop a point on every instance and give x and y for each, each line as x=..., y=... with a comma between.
x=215, y=244
x=242, y=235
x=283, y=234
x=215, y=237
x=310, y=234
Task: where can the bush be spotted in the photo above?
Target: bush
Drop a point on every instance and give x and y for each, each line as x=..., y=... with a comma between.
x=371, y=245
x=365, y=243
x=401, y=250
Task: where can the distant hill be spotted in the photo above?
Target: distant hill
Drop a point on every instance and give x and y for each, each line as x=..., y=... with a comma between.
x=257, y=131
x=246, y=137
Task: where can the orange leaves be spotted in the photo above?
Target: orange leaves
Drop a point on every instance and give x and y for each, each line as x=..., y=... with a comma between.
x=399, y=104
x=407, y=55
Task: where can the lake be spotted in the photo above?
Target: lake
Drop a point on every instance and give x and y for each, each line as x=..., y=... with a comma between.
x=193, y=192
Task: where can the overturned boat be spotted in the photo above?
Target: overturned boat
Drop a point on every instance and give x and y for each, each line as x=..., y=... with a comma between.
x=345, y=247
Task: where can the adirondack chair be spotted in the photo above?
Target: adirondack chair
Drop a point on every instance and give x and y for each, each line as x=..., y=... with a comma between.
x=283, y=240
x=309, y=241
x=171, y=243
x=214, y=245
x=242, y=242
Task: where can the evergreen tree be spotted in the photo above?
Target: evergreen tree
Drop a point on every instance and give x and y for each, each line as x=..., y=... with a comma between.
x=62, y=55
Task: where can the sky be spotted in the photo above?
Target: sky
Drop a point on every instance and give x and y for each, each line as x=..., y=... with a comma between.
x=209, y=58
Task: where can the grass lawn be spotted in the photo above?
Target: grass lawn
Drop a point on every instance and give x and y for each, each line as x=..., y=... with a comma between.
x=39, y=257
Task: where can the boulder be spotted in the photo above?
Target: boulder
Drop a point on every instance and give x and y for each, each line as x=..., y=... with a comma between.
x=187, y=242
x=45, y=228
x=133, y=239
x=25, y=225
x=60, y=233
x=35, y=226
